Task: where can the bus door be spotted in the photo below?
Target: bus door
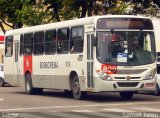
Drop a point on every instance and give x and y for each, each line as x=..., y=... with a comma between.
x=90, y=81
x=16, y=70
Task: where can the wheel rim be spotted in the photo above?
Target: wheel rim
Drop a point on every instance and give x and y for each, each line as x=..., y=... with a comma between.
x=28, y=86
x=76, y=87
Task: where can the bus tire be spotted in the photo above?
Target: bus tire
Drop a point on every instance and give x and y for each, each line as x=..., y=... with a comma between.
x=2, y=83
x=76, y=90
x=157, y=90
x=126, y=95
x=28, y=85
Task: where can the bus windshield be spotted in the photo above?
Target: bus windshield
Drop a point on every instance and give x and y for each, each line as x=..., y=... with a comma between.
x=126, y=47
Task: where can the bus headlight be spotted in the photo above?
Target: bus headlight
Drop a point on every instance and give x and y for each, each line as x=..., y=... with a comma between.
x=150, y=75
x=104, y=76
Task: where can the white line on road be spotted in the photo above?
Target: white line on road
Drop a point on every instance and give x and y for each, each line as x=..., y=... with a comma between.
x=82, y=111
x=117, y=110
x=108, y=115
x=25, y=115
x=66, y=115
x=77, y=106
x=1, y=99
x=148, y=109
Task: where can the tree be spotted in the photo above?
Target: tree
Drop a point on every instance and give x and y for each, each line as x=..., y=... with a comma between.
x=35, y=12
x=147, y=7
x=55, y=7
x=32, y=13
x=157, y=2
x=8, y=13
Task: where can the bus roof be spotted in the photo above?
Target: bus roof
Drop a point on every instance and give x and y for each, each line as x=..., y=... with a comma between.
x=68, y=23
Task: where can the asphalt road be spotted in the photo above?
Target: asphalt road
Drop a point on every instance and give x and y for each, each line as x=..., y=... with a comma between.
x=14, y=103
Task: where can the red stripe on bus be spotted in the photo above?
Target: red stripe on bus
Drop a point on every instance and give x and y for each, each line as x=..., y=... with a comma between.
x=1, y=38
x=27, y=64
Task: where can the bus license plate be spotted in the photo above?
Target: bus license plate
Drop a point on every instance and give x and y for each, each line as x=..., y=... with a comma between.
x=149, y=85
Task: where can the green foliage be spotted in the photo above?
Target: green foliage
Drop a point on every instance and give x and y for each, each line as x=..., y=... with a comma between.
x=35, y=12
x=8, y=10
x=70, y=9
x=118, y=8
x=152, y=11
x=31, y=14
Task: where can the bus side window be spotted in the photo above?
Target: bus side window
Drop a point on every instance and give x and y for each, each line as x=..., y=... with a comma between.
x=50, y=42
x=28, y=43
x=63, y=40
x=77, y=37
x=9, y=46
x=21, y=45
x=38, y=43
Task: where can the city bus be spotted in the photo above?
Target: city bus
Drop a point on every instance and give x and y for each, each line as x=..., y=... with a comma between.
x=110, y=53
x=156, y=24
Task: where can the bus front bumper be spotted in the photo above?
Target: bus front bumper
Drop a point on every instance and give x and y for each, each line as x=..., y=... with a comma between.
x=117, y=86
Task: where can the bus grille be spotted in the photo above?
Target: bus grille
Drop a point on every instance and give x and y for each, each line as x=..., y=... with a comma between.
x=138, y=71
x=131, y=84
x=131, y=78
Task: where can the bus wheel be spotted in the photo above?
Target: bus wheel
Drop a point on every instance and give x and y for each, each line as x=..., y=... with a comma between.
x=76, y=91
x=28, y=85
x=126, y=95
x=2, y=83
x=157, y=91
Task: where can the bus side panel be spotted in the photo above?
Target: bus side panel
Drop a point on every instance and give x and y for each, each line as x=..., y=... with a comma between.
x=63, y=70
x=21, y=75
x=43, y=71
x=67, y=64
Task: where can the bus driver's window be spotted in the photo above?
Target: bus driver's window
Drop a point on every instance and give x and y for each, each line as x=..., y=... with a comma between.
x=116, y=46
x=104, y=47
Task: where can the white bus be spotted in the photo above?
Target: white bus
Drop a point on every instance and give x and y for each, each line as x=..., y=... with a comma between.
x=156, y=24
x=111, y=53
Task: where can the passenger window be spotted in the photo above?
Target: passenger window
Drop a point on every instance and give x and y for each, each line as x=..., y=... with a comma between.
x=76, y=42
x=158, y=68
x=9, y=46
x=28, y=43
x=63, y=41
x=21, y=45
x=38, y=43
x=50, y=42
